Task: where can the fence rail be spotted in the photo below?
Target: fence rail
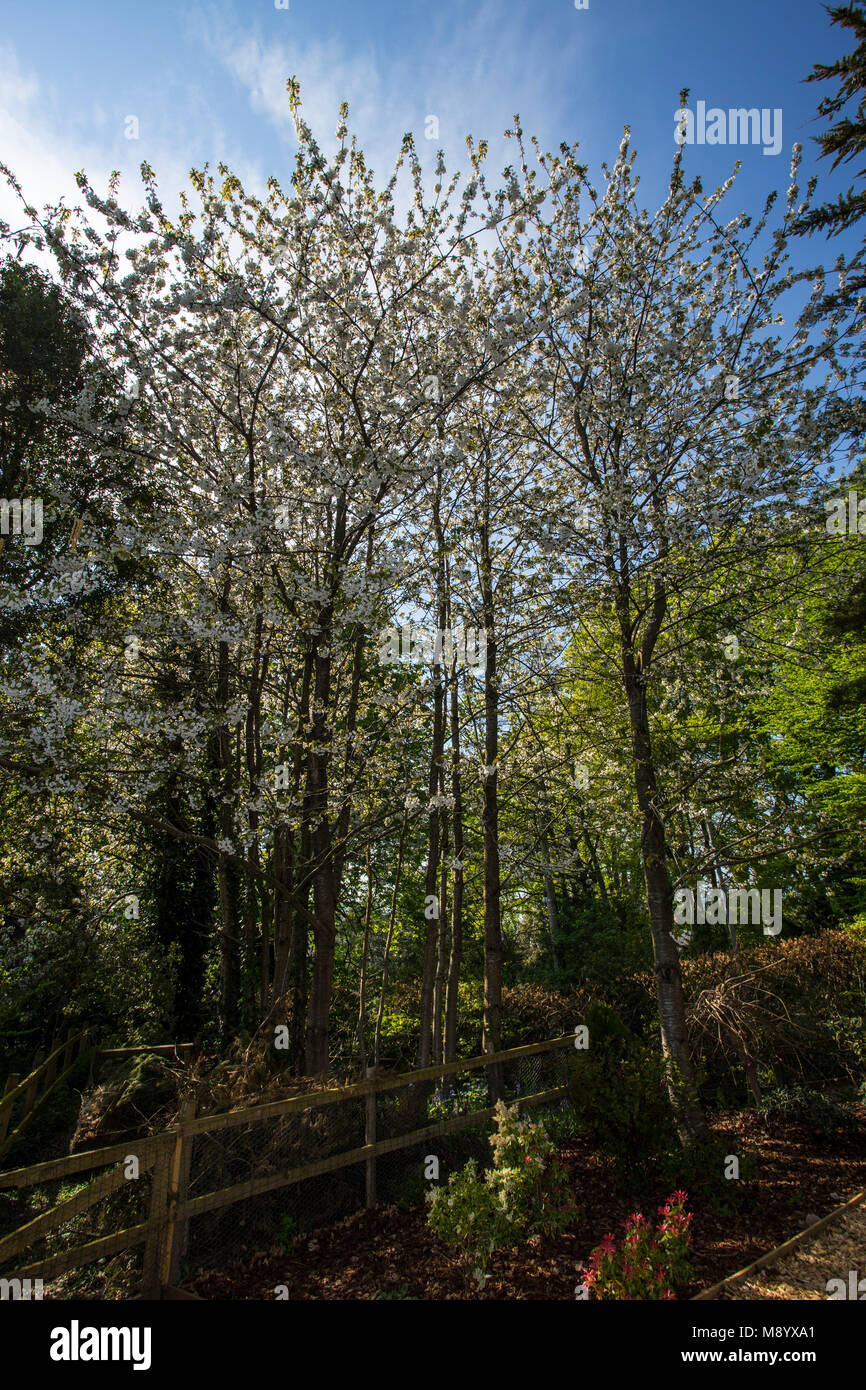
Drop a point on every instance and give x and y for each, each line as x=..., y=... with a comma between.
x=37, y=1086
x=168, y=1157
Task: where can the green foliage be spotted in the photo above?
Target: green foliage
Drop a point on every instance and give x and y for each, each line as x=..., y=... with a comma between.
x=700, y=1169
x=619, y=1092
x=597, y=945
x=824, y=1117
x=844, y=139
x=606, y=1029
x=457, y=1096
x=523, y=1194
x=466, y=1214
x=649, y=1263
x=526, y=1176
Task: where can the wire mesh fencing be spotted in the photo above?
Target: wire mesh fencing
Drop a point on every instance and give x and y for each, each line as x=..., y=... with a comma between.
x=140, y=1218
x=75, y=1227
x=259, y=1184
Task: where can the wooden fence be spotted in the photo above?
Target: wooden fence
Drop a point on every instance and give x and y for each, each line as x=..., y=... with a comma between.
x=164, y=1232
x=27, y=1096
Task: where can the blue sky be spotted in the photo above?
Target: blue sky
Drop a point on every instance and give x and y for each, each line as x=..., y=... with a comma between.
x=207, y=83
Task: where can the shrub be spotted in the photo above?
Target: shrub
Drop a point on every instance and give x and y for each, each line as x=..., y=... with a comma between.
x=816, y=1112
x=467, y=1214
x=524, y=1193
x=797, y=1005
x=649, y=1264
x=526, y=1176
x=532, y=1013
x=619, y=1092
x=700, y=1168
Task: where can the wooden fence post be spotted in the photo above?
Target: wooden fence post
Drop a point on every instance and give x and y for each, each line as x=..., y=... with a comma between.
x=177, y=1235
x=6, y=1107
x=157, y=1218
x=370, y=1138
x=166, y=1239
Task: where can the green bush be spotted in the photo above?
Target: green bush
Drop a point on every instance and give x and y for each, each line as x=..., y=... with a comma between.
x=701, y=1169
x=525, y=1193
x=800, y=1105
x=619, y=1092
x=467, y=1214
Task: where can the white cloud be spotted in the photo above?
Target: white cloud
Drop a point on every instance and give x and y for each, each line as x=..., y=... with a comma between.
x=472, y=78
x=44, y=141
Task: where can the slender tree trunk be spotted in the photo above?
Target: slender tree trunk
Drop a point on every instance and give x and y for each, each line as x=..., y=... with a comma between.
x=391, y=920
x=299, y=880
x=442, y=952
x=492, y=1031
x=691, y=1123
x=229, y=878
x=362, y=991
x=324, y=872
x=284, y=869
x=719, y=882
x=550, y=899
x=298, y=952
x=456, y=955
x=434, y=782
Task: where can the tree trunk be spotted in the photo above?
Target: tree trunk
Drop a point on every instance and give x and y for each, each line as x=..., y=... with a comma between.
x=719, y=882
x=431, y=877
x=324, y=872
x=229, y=877
x=455, y=958
x=691, y=1123
x=550, y=900
x=441, y=954
x=362, y=990
x=492, y=1031
x=391, y=920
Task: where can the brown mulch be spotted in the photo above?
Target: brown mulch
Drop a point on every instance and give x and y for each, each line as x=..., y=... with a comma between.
x=390, y=1251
